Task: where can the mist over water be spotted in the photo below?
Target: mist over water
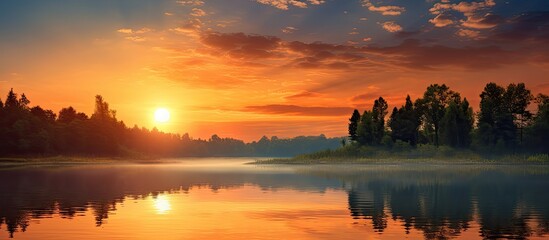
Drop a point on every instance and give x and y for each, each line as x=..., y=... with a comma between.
x=225, y=199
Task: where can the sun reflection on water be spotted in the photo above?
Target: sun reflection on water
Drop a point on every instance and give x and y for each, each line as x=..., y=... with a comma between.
x=162, y=204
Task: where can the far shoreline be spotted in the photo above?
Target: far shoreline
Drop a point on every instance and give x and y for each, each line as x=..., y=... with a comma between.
x=400, y=161
x=404, y=154
x=32, y=161
x=74, y=160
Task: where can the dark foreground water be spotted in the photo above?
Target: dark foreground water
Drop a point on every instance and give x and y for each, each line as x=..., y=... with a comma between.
x=224, y=199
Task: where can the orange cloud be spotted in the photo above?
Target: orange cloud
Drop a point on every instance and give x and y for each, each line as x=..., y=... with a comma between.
x=384, y=10
x=125, y=30
x=391, y=27
x=284, y=4
x=131, y=31
x=468, y=33
x=486, y=21
x=442, y=19
x=197, y=12
x=239, y=45
x=467, y=8
x=410, y=54
x=300, y=110
x=289, y=30
x=190, y=2
x=303, y=94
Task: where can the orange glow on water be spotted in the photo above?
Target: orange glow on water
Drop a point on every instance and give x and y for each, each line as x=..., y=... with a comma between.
x=234, y=213
x=203, y=213
x=162, y=204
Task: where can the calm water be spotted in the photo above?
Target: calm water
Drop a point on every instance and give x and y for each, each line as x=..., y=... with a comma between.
x=225, y=199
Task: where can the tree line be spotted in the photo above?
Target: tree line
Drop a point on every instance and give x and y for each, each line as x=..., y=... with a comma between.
x=34, y=131
x=503, y=124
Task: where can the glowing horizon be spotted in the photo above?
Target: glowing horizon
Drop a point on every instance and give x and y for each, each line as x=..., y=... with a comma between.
x=253, y=68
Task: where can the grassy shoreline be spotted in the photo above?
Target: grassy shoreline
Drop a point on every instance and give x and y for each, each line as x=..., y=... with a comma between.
x=72, y=160
x=419, y=155
x=393, y=161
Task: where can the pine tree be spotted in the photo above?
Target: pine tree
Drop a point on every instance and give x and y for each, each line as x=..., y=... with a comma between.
x=457, y=123
x=353, y=125
x=517, y=98
x=404, y=123
x=364, y=129
x=379, y=111
x=24, y=102
x=537, y=134
x=11, y=100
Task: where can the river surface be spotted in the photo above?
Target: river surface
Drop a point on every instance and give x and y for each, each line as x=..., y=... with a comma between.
x=223, y=198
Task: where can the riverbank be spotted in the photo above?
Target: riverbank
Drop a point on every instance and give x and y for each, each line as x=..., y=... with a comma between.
x=327, y=161
x=419, y=155
x=72, y=160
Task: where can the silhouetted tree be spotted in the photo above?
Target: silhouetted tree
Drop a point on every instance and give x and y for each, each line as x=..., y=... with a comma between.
x=67, y=115
x=353, y=125
x=433, y=106
x=26, y=129
x=43, y=115
x=379, y=111
x=457, y=124
x=371, y=127
x=502, y=112
x=491, y=111
x=404, y=123
x=11, y=100
x=24, y=102
x=102, y=110
x=517, y=98
x=365, y=129
x=538, y=133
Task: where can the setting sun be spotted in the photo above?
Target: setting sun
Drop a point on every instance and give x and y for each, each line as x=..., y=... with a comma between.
x=162, y=115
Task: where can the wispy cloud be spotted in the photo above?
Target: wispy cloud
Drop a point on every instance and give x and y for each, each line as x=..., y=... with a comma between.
x=467, y=8
x=443, y=19
x=190, y=26
x=197, y=12
x=391, y=27
x=190, y=2
x=300, y=110
x=134, y=31
x=240, y=45
x=481, y=22
x=475, y=14
x=289, y=30
x=285, y=4
x=387, y=10
x=303, y=94
x=410, y=54
x=467, y=33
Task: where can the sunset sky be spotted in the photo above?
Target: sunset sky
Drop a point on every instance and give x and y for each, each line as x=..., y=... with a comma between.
x=248, y=68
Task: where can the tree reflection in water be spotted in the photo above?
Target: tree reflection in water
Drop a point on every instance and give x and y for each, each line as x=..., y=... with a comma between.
x=442, y=202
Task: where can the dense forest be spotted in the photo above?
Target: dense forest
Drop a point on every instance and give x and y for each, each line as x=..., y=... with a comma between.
x=34, y=131
x=504, y=124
